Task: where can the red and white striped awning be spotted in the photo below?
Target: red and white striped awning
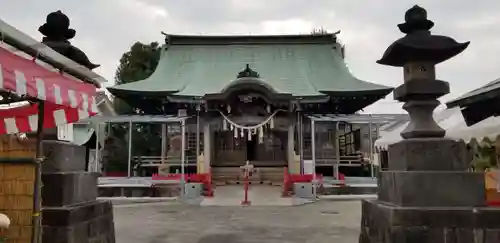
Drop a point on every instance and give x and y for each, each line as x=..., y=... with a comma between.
x=66, y=100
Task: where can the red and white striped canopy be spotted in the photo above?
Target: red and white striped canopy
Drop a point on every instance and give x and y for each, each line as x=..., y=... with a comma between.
x=66, y=100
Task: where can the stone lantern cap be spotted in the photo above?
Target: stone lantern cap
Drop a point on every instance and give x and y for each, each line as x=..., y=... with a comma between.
x=419, y=45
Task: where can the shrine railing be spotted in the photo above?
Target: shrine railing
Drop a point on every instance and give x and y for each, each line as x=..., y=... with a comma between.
x=155, y=161
x=344, y=161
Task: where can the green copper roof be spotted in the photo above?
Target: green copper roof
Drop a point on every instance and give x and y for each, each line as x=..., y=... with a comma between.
x=298, y=65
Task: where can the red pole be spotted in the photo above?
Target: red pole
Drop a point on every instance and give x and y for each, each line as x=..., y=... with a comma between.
x=245, y=200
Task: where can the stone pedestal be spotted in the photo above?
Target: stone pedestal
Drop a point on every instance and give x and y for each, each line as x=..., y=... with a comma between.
x=427, y=196
x=71, y=212
x=386, y=223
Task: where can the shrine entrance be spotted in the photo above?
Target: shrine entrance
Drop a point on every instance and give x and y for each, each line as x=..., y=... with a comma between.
x=250, y=123
x=269, y=151
x=264, y=147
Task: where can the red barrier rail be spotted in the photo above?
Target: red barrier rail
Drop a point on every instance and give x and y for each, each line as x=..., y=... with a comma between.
x=290, y=179
x=208, y=184
x=204, y=178
x=494, y=203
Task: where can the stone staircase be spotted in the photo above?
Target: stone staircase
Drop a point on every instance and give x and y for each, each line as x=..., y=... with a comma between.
x=234, y=175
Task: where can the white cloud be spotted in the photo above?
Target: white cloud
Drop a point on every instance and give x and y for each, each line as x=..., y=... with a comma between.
x=142, y=9
x=289, y=26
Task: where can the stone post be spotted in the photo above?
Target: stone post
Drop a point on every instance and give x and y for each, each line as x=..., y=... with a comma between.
x=71, y=212
x=426, y=195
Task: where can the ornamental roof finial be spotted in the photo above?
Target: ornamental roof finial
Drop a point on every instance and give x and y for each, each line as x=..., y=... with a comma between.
x=415, y=20
x=248, y=73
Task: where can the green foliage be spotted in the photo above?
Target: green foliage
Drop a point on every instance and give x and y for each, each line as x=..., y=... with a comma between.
x=115, y=156
x=485, y=158
x=136, y=64
x=481, y=163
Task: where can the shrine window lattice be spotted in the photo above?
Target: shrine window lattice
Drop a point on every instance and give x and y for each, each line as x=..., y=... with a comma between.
x=349, y=141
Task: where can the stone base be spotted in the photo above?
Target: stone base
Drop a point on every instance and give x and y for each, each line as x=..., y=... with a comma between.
x=432, y=188
x=68, y=188
x=63, y=157
x=383, y=223
x=127, y=192
x=429, y=154
x=347, y=190
x=90, y=222
x=172, y=190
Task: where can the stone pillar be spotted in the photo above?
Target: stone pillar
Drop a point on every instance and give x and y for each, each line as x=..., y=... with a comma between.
x=207, y=142
x=426, y=195
x=71, y=212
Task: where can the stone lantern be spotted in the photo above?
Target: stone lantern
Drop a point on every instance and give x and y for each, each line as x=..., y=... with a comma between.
x=426, y=195
x=71, y=211
x=418, y=53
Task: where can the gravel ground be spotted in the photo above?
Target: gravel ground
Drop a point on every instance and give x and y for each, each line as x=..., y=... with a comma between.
x=169, y=222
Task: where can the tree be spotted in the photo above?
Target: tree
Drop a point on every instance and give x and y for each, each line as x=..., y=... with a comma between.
x=136, y=64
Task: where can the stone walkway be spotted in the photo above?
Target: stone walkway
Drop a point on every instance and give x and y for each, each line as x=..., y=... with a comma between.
x=320, y=222
x=259, y=195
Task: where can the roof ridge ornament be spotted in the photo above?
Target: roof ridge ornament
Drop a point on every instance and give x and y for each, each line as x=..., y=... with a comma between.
x=167, y=38
x=57, y=34
x=416, y=20
x=57, y=27
x=248, y=73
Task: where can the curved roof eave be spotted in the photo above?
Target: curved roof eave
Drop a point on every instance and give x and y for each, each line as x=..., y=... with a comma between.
x=382, y=92
x=123, y=93
x=149, y=85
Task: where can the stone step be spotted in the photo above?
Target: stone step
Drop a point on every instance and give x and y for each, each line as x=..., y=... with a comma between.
x=220, y=163
x=241, y=182
x=259, y=176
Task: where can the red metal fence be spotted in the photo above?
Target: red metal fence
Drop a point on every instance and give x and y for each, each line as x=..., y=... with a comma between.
x=204, y=178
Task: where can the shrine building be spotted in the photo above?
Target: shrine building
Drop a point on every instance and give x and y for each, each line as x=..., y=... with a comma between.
x=251, y=98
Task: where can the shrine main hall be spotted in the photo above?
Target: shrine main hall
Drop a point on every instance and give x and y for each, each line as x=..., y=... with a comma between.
x=257, y=98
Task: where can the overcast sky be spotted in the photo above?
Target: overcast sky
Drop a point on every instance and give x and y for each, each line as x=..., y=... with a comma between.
x=107, y=28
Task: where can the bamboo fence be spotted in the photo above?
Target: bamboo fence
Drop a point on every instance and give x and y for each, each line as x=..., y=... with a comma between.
x=17, y=181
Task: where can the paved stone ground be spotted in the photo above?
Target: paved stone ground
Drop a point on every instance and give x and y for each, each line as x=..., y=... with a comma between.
x=259, y=195
x=323, y=221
